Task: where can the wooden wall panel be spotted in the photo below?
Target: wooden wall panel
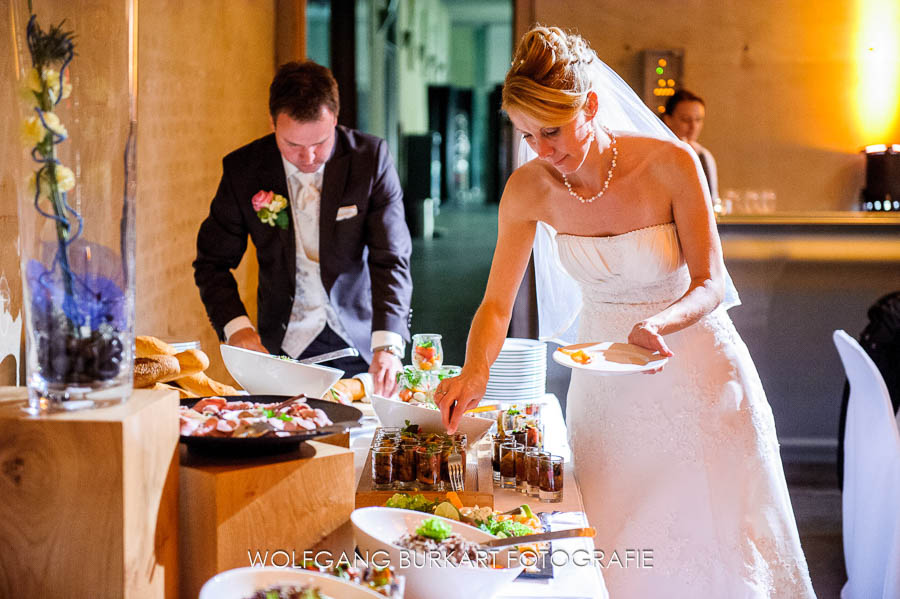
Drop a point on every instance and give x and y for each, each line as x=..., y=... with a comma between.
x=204, y=77
x=11, y=350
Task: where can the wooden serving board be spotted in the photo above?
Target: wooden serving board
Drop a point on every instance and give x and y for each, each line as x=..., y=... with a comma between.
x=479, y=483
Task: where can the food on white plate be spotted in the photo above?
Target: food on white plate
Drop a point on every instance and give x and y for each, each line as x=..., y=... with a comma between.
x=577, y=355
x=218, y=417
x=306, y=591
x=418, y=386
x=523, y=522
x=435, y=539
x=382, y=580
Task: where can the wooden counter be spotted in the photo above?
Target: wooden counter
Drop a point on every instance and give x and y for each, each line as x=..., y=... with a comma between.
x=89, y=499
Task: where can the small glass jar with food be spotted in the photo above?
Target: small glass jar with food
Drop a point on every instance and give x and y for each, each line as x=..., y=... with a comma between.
x=428, y=466
x=383, y=466
x=447, y=371
x=427, y=353
x=446, y=452
x=521, y=472
x=405, y=472
x=532, y=470
x=496, y=442
x=534, y=437
x=508, y=464
x=417, y=386
x=551, y=478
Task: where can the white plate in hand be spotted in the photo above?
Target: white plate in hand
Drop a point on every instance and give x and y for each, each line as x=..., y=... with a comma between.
x=609, y=358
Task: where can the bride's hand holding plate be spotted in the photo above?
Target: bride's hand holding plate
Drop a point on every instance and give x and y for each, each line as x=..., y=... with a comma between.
x=456, y=395
x=646, y=334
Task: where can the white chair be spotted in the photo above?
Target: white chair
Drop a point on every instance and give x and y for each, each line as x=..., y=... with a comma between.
x=871, y=496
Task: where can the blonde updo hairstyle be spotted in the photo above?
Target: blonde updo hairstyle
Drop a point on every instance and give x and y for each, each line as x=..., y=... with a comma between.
x=548, y=80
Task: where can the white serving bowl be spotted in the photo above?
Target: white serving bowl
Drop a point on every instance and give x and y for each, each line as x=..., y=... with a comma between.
x=265, y=374
x=377, y=528
x=393, y=412
x=241, y=583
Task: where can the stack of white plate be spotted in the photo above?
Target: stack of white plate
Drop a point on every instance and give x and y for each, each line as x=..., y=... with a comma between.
x=519, y=373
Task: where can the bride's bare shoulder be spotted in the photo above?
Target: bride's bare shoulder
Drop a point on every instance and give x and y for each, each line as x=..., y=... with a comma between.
x=643, y=144
x=663, y=156
x=531, y=181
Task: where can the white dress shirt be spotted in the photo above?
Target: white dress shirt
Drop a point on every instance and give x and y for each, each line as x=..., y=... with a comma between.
x=312, y=309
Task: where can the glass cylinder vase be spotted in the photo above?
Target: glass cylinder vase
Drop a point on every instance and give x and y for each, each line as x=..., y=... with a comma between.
x=75, y=71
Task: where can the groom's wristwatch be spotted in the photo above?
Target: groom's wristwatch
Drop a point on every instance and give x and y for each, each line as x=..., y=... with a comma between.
x=390, y=348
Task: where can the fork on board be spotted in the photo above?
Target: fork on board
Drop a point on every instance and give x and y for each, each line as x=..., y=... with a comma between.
x=455, y=469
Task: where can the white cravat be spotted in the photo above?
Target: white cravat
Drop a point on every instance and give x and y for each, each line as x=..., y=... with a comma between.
x=312, y=309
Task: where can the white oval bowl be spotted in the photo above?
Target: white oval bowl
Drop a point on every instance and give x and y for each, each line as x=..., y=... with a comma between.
x=393, y=412
x=241, y=583
x=376, y=529
x=265, y=374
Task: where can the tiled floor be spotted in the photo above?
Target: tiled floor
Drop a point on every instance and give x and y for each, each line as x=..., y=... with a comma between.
x=449, y=275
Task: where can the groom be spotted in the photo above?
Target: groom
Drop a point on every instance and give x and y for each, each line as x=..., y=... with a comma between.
x=324, y=208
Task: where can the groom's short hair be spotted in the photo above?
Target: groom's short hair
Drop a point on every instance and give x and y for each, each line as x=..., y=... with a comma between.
x=300, y=89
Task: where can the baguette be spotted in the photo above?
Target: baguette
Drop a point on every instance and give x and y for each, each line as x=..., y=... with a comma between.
x=192, y=361
x=155, y=369
x=203, y=386
x=146, y=346
x=182, y=393
x=351, y=387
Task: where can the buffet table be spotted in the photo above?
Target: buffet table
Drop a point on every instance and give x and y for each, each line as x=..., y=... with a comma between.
x=570, y=581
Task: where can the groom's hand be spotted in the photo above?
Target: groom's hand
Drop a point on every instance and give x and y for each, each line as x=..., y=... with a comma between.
x=247, y=338
x=384, y=369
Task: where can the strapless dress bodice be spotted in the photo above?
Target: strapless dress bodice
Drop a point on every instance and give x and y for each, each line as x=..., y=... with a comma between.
x=644, y=266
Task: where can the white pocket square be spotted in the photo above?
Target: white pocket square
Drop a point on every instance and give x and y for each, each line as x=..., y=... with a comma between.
x=345, y=212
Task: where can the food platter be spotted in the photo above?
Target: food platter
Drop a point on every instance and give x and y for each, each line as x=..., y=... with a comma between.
x=342, y=416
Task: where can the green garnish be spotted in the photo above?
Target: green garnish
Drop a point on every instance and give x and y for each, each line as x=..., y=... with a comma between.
x=284, y=417
x=434, y=529
x=269, y=413
x=507, y=528
x=410, y=428
x=411, y=377
x=426, y=344
x=417, y=502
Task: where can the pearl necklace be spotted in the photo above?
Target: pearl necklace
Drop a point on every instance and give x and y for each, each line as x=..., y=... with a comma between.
x=609, y=173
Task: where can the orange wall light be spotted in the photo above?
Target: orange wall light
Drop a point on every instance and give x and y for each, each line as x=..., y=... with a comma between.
x=877, y=54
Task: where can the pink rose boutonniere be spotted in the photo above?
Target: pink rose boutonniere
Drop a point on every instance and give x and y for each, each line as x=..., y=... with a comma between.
x=270, y=208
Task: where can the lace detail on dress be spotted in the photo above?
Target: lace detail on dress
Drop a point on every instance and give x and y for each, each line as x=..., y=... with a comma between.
x=684, y=462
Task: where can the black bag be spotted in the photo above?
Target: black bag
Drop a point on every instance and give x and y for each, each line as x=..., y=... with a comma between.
x=881, y=340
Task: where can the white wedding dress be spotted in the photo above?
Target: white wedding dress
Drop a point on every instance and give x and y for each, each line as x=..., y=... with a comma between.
x=684, y=462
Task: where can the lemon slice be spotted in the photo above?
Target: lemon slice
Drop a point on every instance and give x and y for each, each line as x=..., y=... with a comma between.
x=447, y=510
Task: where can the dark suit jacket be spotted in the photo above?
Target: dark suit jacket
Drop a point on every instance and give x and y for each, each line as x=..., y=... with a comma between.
x=364, y=260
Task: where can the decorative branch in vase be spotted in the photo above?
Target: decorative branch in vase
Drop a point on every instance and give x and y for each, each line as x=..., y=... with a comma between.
x=79, y=292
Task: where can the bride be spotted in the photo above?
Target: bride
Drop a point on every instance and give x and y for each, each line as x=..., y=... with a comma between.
x=683, y=461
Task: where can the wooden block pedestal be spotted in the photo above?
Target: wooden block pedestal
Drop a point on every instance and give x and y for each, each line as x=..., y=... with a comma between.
x=88, y=499
x=230, y=509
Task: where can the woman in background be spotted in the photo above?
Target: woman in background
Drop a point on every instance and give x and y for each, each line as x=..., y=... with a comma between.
x=684, y=115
